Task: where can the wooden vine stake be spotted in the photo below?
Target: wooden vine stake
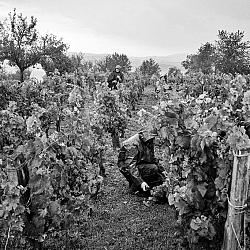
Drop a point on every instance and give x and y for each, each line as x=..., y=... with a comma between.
x=234, y=236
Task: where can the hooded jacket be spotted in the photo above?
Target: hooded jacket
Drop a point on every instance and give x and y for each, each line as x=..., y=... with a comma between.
x=135, y=151
x=115, y=76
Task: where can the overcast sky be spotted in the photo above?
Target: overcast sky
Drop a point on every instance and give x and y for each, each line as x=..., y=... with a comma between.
x=135, y=27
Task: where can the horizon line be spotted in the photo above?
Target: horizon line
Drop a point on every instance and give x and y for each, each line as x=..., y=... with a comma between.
x=146, y=56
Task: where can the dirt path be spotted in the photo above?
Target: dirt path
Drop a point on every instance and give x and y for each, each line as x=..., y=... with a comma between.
x=121, y=220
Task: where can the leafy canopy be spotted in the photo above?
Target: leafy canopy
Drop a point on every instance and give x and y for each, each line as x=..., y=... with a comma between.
x=202, y=61
x=23, y=46
x=229, y=55
x=110, y=61
x=232, y=54
x=149, y=68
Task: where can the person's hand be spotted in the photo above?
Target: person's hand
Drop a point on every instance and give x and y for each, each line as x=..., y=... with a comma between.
x=144, y=186
x=119, y=78
x=165, y=174
x=114, y=81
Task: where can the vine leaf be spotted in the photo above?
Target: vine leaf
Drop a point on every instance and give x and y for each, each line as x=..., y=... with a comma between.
x=171, y=199
x=31, y=123
x=54, y=207
x=211, y=121
x=202, y=188
x=195, y=225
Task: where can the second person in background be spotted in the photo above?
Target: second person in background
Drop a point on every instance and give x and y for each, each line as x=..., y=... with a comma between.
x=115, y=77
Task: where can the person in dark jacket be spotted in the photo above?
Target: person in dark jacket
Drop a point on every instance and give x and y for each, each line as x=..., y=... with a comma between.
x=115, y=77
x=137, y=162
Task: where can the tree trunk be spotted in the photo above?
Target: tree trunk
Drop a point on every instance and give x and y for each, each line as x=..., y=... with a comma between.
x=58, y=124
x=115, y=139
x=22, y=75
x=101, y=165
x=234, y=237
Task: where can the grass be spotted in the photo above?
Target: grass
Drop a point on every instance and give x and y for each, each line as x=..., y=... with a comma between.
x=119, y=219
x=124, y=221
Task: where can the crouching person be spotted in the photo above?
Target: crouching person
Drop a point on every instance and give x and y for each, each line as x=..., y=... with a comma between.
x=136, y=161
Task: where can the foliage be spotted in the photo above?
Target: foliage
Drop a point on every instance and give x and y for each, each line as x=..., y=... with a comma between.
x=110, y=113
x=60, y=61
x=49, y=159
x=149, y=68
x=81, y=65
x=232, y=53
x=173, y=72
x=174, y=75
x=229, y=55
x=199, y=126
x=21, y=44
x=203, y=61
x=130, y=93
x=110, y=61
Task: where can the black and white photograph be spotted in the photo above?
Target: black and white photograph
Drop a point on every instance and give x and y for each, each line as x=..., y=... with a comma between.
x=125, y=125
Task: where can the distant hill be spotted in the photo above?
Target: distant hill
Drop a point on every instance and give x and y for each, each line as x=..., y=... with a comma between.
x=165, y=62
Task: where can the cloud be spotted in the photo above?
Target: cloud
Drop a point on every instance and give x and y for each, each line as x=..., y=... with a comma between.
x=139, y=27
x=21, y=6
